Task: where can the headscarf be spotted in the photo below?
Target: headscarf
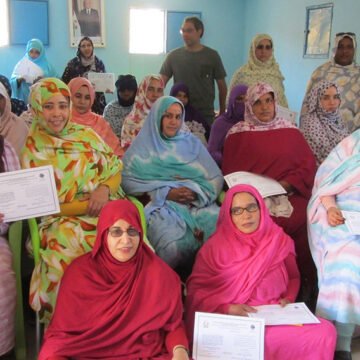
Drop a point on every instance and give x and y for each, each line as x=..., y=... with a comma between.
x=338, y=38
x=322, y=129
x=91, y=119
x=115, y=310
x=257, y=71
x=231, y=264
x=90, y=61
x=78, y=154
x=142, y=105
x=223, y=123
x=252, y=123
x=12, y=128
x=153, y=159
x=126, y=82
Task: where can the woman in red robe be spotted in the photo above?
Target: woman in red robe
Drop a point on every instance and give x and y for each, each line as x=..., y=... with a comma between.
x=266, y=144
x=120, y=301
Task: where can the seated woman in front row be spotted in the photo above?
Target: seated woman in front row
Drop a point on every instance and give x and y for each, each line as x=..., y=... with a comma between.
x=250, y=261
x=120, y=301
x=87, y=176
x=172, y=166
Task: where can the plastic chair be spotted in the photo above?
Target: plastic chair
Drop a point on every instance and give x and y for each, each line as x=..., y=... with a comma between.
x=15, y=242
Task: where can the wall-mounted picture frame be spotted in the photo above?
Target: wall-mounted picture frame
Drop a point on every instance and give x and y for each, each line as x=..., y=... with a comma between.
x=87, y=18
x=318, y=30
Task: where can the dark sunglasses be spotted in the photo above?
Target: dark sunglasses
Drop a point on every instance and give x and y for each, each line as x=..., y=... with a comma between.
x=345, y=33
x=117, y=232
x=261, y=47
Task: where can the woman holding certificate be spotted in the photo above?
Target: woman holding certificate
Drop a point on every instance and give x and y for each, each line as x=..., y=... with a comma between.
x=267, y=144
x=250, y=261
x=33, y=66
x=87, y=176
x=120, y=301
x=335, y=243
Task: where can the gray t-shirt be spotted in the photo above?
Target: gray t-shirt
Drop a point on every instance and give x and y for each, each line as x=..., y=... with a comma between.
x=197, y=70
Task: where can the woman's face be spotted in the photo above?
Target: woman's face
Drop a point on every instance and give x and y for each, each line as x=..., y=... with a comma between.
x=181, y=95
x=240, y=99
x=330, y=100
x=171, y=120
x=123, y=240
x=264, y=108
x=86, y=49
x=263, y=50
x=245, y=213
x=154, y=90
x=2, y=104
x=81, y=100
x=34, y=54
x=345, y=52
x=126, y=94
x=56, y=112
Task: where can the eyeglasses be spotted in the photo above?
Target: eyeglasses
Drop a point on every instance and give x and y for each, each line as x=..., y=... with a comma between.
x=345, y=33
x=189, y=31
x=262, y=47
x=239, y=210
x=117, y=232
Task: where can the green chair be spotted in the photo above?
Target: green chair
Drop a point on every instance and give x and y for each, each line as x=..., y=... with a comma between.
x=15, y=242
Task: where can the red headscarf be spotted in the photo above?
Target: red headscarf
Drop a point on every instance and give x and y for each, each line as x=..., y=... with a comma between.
x=95, y=121
x=231, y=264
x=108, y=309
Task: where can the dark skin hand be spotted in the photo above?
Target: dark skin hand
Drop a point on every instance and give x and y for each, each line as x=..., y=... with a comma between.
x=181, y=195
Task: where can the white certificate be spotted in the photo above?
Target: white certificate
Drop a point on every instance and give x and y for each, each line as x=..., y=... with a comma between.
x=291, y=314
x=29, y=70
x=228, y=337
x=28, y=193
x=352, y=221
x=102, y=82
x=264, y=185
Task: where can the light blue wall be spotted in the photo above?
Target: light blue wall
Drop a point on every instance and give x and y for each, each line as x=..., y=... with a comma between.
x=223, y=21
x=284, y=20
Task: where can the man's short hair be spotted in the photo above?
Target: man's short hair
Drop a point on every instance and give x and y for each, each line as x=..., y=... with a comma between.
x=198, y=24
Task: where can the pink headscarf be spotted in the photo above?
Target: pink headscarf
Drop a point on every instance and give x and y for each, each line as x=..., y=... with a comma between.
x=251, y=122
x=95, y=121
x=231, y=264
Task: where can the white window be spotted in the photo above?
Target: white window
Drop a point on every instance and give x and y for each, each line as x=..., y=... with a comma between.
x=4, y=23
x=147, y=31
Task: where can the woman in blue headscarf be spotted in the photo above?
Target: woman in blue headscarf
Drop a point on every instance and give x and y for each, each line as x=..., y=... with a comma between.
x=172, y=166
x=29, y=69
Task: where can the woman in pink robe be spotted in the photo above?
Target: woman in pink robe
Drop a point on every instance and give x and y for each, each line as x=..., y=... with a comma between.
x=250, y=261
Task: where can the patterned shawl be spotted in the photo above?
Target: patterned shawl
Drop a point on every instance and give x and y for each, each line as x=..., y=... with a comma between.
x=12, y=128
x=154, y=161
x=81, y=160
x=91, y=119
x=252, y=123
x=142, y=105
x=323, y=130
x=257, y=71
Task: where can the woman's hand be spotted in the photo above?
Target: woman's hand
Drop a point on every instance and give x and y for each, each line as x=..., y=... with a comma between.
x=334, y=216
x=1, y=218
x=180, y=354
x=98, y=198
x=288, y=187
x=283, y=302
x=241, y=309
x=182, y=195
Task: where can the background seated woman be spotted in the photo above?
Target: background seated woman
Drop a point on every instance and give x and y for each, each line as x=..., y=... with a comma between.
x=87, y=176
x=250, y=261
x=266, y=144
x=335, y=248
x=82, y=97
x=108, y=305
x=183, y=181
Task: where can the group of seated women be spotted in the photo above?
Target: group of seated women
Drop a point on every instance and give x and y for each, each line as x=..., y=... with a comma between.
x=246, y=255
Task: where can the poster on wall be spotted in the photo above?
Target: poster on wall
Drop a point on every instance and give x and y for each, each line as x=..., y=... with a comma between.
x=87, y=18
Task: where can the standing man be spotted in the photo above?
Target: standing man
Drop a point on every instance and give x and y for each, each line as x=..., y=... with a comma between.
x=344, y=72
x=89, y=20
x=197, y=66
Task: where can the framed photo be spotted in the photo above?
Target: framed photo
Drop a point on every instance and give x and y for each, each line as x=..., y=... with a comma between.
x=87, y=18
x=318, y=31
